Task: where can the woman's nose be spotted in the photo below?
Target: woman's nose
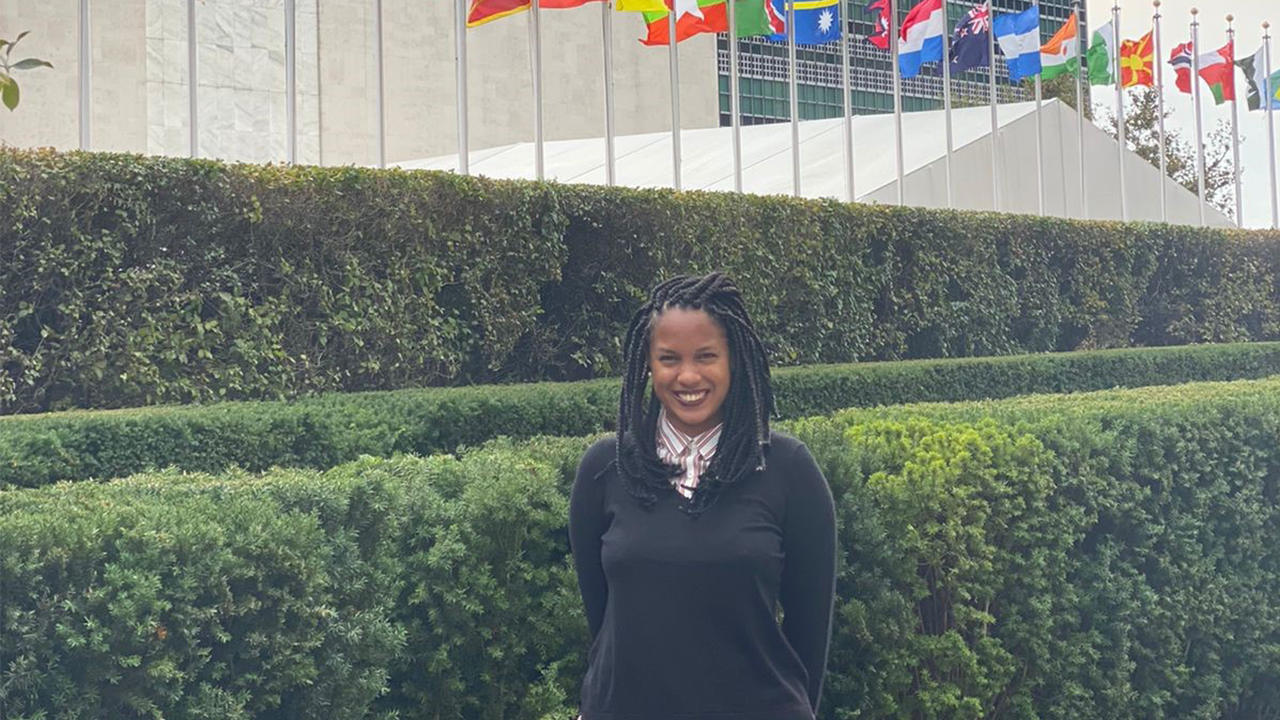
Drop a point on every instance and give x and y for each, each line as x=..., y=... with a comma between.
x=688, y=375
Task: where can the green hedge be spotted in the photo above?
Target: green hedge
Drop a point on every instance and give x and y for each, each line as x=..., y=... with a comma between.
x=1110, y=555
x=129, y=280
x=326, y=430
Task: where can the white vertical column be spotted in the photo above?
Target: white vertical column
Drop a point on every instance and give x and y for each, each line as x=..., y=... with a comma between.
x=1271, y=128
x=792, y=74
x=535, y=44
x=897, y=98
x=995, y=117
x=86, y=77
x=673, y=58
x=291, y=77
x=735, y=103
x=193, y=83
x=1120, y=144
x=1195, y=86
x=1040, y=131
x=460, y=68
x=1164, y=160
x=1081, y=70
x=382, y=85
x=946, y=97
x=846, y=82
x=610, y=154
x=1235, y=128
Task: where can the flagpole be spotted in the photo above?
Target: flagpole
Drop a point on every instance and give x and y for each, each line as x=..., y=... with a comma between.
x=995, y=117
x=1164, y=162
x=946, y=96
x=897, y=95
x=193, y=83
x=291, y=79
x=795, y=98
x=1195, y=87
x=460, y=65
x=610, y=154
x=846, y=81
x=1039, y=130
x=1271, y=128
x=1235, y=124
x=674, y=60
x=382, y=87
x=1115, y=35
x=535, y=41
x=86, y=77
x=734, y=103
x=1080, y=72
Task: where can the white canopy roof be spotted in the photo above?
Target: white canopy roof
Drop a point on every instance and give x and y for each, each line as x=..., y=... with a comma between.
x=707, y=163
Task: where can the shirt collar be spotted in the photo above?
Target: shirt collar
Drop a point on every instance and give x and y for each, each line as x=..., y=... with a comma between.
x=679, y=443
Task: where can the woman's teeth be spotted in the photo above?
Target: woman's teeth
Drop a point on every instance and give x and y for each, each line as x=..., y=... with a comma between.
x=691, y=397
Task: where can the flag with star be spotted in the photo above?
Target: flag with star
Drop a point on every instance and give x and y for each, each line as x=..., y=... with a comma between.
x=817, y=21
x=694, y=17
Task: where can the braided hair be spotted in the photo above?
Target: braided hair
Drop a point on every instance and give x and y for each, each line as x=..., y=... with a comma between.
x=744, y=439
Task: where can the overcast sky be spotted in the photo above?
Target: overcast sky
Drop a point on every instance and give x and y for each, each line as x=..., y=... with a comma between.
x=1175, y=27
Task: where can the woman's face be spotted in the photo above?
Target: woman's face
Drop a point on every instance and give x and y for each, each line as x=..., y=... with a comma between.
x=689, y=363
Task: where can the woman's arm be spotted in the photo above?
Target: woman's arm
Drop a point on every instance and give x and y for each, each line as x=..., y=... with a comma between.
x=587, y=524
x=809, y=569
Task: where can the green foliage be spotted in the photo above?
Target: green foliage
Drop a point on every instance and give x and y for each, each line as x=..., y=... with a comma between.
x=323, y=431
x=9, y=92
x=1101, y=555
x=134, y=281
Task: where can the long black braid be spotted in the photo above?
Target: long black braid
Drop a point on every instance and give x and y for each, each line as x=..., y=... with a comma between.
x=744, y=439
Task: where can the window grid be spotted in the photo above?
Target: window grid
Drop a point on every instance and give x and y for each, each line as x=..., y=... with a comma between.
x=763, y=68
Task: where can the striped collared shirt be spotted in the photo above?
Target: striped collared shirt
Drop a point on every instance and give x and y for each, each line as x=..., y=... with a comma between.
x=692, y=454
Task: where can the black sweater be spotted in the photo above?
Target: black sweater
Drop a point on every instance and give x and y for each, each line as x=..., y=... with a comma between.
x=682, y=610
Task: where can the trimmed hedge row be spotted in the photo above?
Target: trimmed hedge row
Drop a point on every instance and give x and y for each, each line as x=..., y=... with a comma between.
x=1111, y=555
x=129, y=280
x=324, y=431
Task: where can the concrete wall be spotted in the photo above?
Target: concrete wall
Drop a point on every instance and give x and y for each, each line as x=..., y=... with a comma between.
x=140, y=78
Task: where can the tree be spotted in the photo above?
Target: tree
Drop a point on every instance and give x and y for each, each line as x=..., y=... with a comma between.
x=8, y=85
x=1142, y=135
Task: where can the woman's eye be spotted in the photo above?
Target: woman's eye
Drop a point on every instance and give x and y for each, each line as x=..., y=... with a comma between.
x=707, y=356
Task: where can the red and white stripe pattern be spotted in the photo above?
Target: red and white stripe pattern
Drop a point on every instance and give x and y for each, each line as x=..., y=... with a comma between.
x=693, y=454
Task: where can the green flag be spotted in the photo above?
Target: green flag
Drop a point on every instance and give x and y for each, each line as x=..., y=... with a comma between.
x=1101, y=57
x=1259, y=85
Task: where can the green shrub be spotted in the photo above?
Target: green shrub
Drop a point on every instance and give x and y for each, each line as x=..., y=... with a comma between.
x=1102, y=555
x=144, y=280
x=322, y=431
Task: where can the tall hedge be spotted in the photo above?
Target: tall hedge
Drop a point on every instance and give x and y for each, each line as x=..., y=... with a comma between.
x=128, y=280
x=1106, y=556
x=329, y=429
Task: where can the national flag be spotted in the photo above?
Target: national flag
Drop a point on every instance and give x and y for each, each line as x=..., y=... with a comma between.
x=970, y=41
x=1260, y=86
x=1062, y=53
x=1218, y=70
x=1181, y=59
x=921, y=37
x=817, y=21
x=879, y=35
x=1136, y=66
x=1019, y=38
x=483, y=11
x=1101, y=56
x=694, y=17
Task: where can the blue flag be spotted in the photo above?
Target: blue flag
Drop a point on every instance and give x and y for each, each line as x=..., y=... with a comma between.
x=1019, y=38
x=970, y=43
x=817, y=21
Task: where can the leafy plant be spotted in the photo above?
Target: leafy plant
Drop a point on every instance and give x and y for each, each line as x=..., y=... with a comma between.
x=8, y=85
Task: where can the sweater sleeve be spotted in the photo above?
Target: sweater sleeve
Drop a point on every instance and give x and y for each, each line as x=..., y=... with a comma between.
x=809, y=570
x=587, y=524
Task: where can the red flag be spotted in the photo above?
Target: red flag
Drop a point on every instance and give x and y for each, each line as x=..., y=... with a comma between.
x=1218, y=69
x=1180, y=59
x=483, y=11
x=880, y=35
x=1136, y=66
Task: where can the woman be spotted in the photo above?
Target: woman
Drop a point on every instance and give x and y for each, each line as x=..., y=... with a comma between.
x=691, y=524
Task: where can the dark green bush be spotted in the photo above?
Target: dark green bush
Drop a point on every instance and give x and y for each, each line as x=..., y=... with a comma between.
x=322, y=431
x=131, y=281
x=1096, y=556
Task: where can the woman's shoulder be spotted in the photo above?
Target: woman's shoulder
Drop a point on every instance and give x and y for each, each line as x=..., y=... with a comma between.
x=782, y=445
x=601, y=453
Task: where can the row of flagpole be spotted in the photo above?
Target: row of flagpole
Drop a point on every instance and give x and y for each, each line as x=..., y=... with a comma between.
x=894, y=34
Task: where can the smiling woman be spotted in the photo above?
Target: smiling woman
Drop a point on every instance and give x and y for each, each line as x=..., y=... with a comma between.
x=682, y=613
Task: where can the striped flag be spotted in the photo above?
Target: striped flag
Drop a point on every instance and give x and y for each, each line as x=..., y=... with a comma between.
x=1062, y=53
